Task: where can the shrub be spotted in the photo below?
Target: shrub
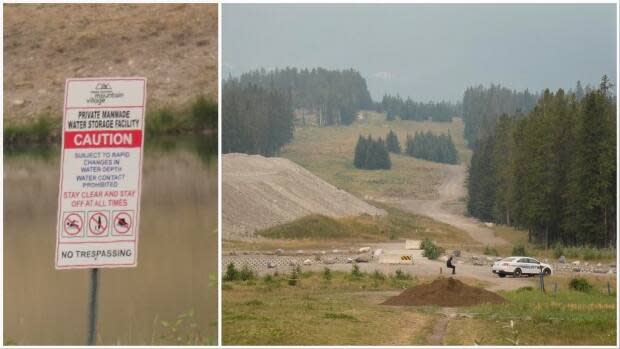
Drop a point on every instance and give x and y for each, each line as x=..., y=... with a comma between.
x=519, y=250
x=292, y=281
x=431, y=251
x=327, y=274
x=377, y=275
x=525, y=289
x=203, y=114
x=490, y=251
x=268, y=279
x=401, y=275
x=246, y=273
x=355, y=272
x=558, y=250
x=231, y=273
x=580, y=284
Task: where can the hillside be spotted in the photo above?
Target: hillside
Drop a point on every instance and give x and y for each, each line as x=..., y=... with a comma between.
x=173, y=45
x=260, y=192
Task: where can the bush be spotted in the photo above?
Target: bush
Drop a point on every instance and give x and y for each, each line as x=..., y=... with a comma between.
x=292, y=281
x=519, y=250
x=580, y=284
x=377, y=275
x=490, y=251
x=558, y=250
x=355, y=272
x=203, y=114
x=327, y=274
x=246, y=273
x=431, y=251
x=231, y=273
x=401, y=275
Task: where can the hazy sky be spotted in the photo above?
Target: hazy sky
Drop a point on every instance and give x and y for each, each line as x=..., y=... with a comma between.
x=427, y=51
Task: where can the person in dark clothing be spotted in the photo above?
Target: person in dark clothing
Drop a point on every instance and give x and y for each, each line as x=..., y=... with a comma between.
x=450, y=265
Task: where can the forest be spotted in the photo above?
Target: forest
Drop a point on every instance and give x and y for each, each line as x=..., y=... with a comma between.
x=427, y=146
x=551, y=170
x=395, y=106
x=371, y=154
x=335, y=96
x=255, y=119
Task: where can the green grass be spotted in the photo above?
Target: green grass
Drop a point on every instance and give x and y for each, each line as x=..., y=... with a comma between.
x=198, y=116
x=566, y=318
x=328, y=153
x=397, y=224
x=347, y=311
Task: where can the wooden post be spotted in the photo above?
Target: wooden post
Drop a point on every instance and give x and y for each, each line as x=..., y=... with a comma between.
x=92, y=307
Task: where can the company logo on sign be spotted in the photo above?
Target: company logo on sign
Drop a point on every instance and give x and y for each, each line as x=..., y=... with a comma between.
x=102, y=92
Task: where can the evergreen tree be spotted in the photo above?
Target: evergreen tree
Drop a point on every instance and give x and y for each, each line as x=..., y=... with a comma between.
x=392, y=143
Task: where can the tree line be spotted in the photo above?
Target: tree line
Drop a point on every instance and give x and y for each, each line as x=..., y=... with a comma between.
x=552, y=170
x=395, y=106
x=371, y=154
x=255, y=119
x=427, y=146
x=335, y=96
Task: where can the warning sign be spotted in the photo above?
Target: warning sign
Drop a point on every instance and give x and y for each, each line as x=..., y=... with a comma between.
x=100, y=173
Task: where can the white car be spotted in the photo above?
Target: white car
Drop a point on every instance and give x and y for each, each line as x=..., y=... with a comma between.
x=519, y=265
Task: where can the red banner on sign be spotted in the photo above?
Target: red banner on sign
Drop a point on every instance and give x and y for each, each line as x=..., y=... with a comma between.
x=103, y=139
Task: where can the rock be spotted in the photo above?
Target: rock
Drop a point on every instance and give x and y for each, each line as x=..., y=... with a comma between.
x=562, y=260
x=300, y=251
x=477, y=262
x=460, y=262
x=576, y=269
x=292, y=264
x=364, y=250
x=323, y=252
x=362, y=259
x=576, y=263
x=474, y=258
x=271, y=265
x=599, y=265
x=377, y=252
x=489, y=259
x=586, y=264
x=232, y=253
x=489, y=224
x=307, y=262
x=349, y=260
x=329, y=260
x=279, y=252
x=335, y=251
x=18, y=102
x=611, y=271
x=456, y=253
x=599, y=271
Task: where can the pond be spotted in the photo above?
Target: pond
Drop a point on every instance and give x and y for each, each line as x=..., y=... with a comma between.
x=177, y=259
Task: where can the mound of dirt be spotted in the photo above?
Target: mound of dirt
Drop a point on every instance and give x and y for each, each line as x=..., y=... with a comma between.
x=173, y=45
x=445, y=293
x=260, y=192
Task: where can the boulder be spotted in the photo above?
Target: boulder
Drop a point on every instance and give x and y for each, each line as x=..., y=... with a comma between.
x=599, y=271
x=576, y=263
x=279, y=252
x=271, y=265
x=364, y=250
x=456, y=253
x=349, y=260
x=489, y=259
x=362, y=259
x=329, y=260
x=307, y=262
x=377, y=252
x=576, y=269
x=599, y=265
x=477, y=262
x=300, y=251
x=335, y=251
x=562, y=260
x=292, y=264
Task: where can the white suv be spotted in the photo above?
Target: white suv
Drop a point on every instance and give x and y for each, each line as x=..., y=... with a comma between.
x=517, y=266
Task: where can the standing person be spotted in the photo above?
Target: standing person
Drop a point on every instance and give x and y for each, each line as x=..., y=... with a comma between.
x=450, y=265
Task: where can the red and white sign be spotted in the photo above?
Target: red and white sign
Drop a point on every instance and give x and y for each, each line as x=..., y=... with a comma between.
x=100, y=173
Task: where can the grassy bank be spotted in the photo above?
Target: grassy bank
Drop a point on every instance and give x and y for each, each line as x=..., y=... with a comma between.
x=396, y=225
x=344, y=309
x=45, y=129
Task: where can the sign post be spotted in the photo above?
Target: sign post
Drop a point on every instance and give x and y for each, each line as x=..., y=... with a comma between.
x=100, y=178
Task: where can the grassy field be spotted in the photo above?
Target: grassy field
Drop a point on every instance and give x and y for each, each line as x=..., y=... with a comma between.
x=328, y=153
x=346, y=310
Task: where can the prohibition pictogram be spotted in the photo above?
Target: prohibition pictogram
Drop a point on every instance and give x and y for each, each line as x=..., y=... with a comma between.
x=73, y=224
x=97, y=223
x=123, y=222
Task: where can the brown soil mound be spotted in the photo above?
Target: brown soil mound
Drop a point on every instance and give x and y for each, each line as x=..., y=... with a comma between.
x=446, y=293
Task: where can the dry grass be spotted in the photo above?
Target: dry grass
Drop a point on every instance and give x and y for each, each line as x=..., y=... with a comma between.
x=173, y=45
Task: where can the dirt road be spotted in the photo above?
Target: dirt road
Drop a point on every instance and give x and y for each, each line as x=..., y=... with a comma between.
x=448, y=207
